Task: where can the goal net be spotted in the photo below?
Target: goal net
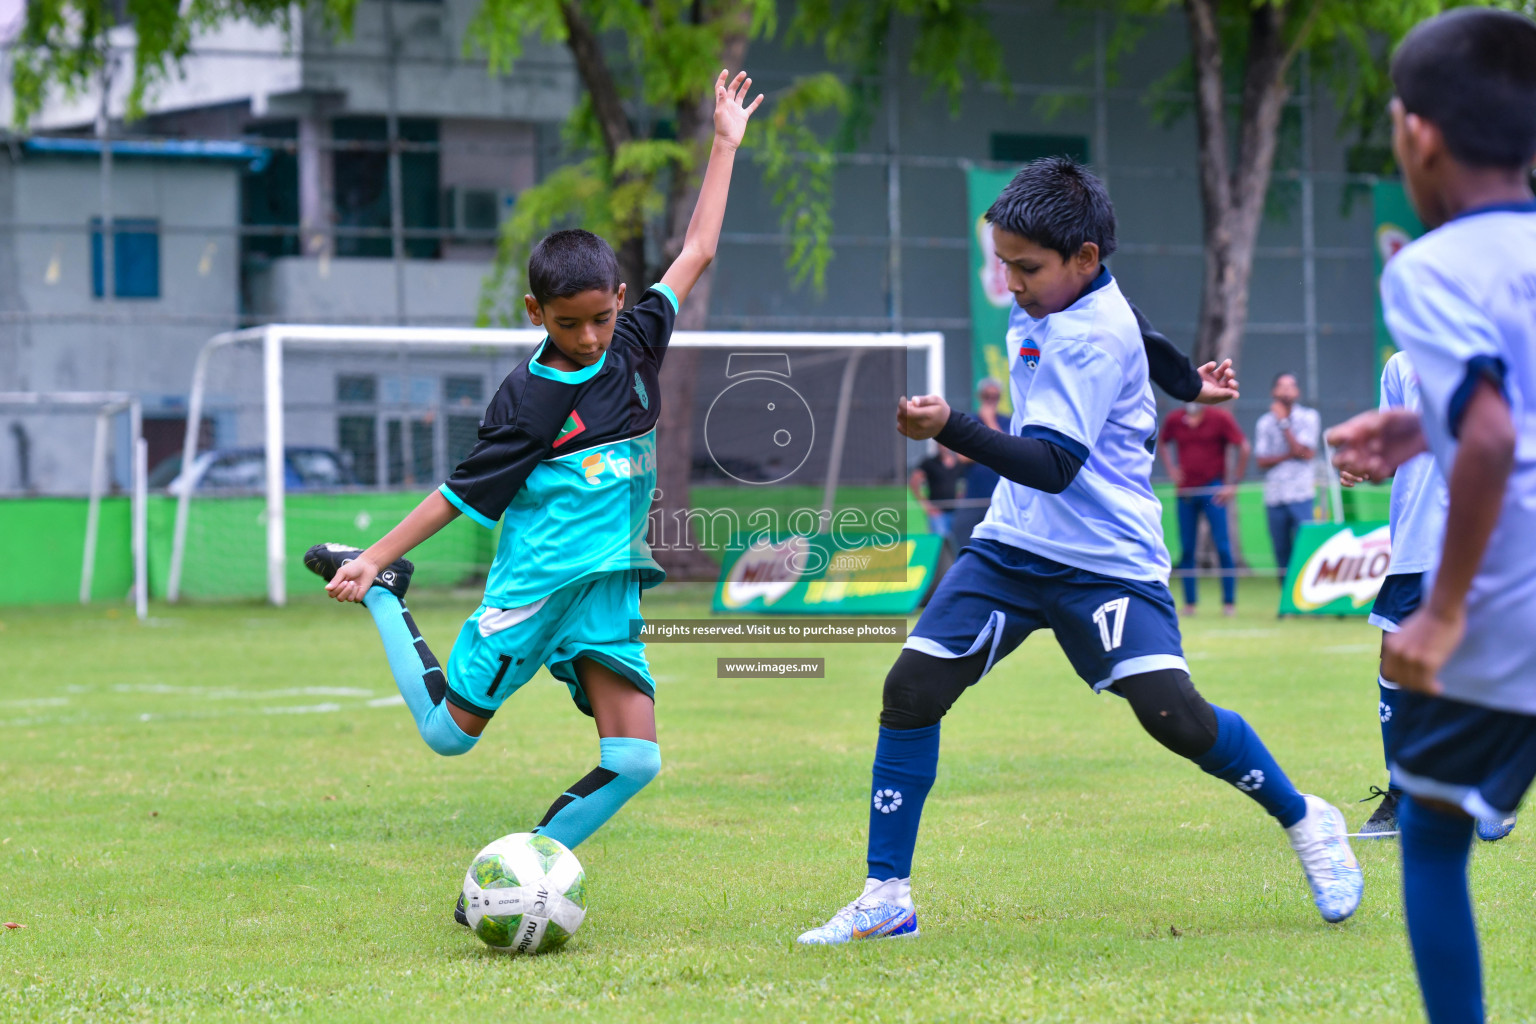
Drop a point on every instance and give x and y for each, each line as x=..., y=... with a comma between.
x=334, y=433
x=72, y=473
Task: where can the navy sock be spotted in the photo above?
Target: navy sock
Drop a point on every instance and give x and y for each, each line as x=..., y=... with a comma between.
x=906, y=761
x=1438, y=906
x=1238, y=756
x=1386, y=707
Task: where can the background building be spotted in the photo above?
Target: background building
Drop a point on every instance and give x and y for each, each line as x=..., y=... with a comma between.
x=284, y=210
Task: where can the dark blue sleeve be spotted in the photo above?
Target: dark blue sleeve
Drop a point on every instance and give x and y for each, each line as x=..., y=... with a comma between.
x=1035, y=462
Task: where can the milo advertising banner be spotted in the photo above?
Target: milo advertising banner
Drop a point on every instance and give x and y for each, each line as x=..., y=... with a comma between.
x=1336, y=569
x=1396, y=226
x=990, y=298
x=801, y=575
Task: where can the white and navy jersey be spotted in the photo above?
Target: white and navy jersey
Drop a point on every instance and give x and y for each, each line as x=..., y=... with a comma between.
x=1461, y=300
x=1417, y=515
x=1078, y=378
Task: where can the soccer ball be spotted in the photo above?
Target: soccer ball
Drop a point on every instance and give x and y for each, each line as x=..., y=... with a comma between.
x=525, y=893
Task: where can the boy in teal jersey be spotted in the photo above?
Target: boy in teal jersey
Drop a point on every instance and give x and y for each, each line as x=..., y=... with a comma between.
x=566, y=458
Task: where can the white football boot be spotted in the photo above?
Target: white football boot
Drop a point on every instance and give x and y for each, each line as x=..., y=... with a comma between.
x=884, y=911
x=1321, y=843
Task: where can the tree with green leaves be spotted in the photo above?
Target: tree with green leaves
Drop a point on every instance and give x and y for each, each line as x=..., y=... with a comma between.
x=642, y=129
x=637, y=137
x=1254, y=48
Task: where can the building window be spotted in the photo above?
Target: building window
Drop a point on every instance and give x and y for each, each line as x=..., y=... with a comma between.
x=406, y=431
x=465, y=399
x=1022, y=147
x=357, y=428
x=361, y=166
x=135, y=258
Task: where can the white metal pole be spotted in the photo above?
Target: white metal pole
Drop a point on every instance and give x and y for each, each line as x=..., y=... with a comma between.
x=140, y=516
x=935, y=346
x=272, y=353
x=189, y=456
x=93, y=507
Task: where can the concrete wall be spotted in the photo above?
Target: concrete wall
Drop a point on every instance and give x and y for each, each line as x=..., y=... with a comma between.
x=73, y=341
x=299, y=289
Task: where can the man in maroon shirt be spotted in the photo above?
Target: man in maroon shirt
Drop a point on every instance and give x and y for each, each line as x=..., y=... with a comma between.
x=1204, y=436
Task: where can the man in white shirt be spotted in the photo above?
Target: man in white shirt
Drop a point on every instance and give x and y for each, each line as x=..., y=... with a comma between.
x=1285, y=443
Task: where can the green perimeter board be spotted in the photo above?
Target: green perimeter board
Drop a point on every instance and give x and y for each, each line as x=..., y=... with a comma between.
x=991, y=302
x=42, y=547
x=42, y=539
x=840, y=592
x=1365, y=565
x=227, y=541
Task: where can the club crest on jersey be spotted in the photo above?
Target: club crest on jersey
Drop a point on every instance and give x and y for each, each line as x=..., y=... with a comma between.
x=572, y=427
x=645, y=399
x=1030, y=355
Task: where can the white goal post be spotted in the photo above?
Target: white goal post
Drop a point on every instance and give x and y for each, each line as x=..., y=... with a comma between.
x=274, y=339
x=107, y=404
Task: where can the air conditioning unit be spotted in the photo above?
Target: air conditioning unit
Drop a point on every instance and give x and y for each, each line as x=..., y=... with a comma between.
x=475, y=214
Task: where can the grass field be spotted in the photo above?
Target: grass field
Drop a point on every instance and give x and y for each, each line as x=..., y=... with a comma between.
x=225, y=815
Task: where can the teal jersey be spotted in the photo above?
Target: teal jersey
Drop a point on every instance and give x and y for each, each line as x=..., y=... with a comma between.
x=567, y=462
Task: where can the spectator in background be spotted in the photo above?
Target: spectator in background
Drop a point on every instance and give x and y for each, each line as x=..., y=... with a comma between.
x=980, y=481
x=1285, y=442
x=1203, y=438
x=935, y=483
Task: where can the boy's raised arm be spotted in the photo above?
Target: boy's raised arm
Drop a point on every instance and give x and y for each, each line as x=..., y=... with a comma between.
x=703, y=237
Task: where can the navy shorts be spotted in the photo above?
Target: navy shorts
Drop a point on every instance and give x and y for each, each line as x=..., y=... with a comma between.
x=1399, y=597
x=995, y=595
x=1480, y=759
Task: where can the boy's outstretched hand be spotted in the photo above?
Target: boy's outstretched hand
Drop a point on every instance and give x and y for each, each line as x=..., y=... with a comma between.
x=731, y=110
x=1373, y=444
x=1217, y=383
x=922, y=417
x=352, y=580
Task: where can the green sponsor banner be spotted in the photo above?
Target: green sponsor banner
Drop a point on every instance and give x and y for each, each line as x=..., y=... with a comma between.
x=815, y=575
x=1336, y=569
x=1396, y=226
x=990, y=298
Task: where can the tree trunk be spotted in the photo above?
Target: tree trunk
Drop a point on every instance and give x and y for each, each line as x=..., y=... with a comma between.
x=1232, y=197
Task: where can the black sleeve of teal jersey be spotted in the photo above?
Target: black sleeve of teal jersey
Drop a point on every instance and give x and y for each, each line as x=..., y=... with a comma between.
x=484, y=484
x=1170, y=369
x=648, y=323
x=1029, y=461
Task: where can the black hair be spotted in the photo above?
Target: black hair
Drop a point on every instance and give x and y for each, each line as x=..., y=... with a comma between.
x=1472, y=73
x=1285, y=373
x=570, y=262
x=1057, y=203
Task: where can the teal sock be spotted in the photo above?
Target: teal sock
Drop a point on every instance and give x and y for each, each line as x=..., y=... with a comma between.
x=417, y=674
x=626, y=766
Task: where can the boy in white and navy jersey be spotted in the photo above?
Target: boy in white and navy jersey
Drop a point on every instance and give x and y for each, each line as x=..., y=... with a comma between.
x=1072, y=543
x=1461, y=301
x=1416, y=522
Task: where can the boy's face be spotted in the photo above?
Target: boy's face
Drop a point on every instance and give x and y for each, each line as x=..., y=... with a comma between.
x=1042, y=282
x=1422, y=156
x=580, y=325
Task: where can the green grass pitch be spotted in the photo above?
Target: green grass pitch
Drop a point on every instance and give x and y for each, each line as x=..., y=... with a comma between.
x=226, y=815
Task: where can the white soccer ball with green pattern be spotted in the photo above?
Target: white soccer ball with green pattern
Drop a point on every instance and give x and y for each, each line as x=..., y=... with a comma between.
x=525, y=893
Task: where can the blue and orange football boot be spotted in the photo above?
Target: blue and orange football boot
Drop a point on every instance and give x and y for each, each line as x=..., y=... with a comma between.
x=884, y=911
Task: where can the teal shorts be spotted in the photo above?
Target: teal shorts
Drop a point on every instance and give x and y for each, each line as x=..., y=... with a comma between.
x=499, y=650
